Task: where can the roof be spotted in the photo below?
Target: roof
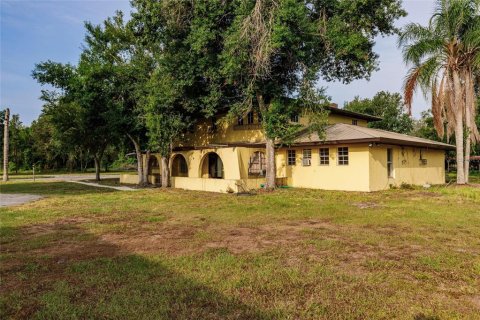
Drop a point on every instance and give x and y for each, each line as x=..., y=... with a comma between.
x=333, y=108
x=352, y=114
x=341, y=133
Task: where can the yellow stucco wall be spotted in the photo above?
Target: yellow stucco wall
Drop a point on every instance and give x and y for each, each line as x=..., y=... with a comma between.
x=225, y=133
x=366, y=171
x=235, y=163
x=351, y=177
x=406, y=167
x=131, y=178
x=229, y=132
x=229, y=158
x=201, y=184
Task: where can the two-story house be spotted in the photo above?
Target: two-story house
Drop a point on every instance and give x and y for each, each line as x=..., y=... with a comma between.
x=231, y=157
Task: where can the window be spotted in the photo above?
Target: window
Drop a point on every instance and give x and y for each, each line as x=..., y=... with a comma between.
x=259, y=117
x=240, y=121
x=324, y=156
x=355, y=122
x=257, y=164
x=250, y=117
x=307, y=157
x=294, y=118
x=343, y=156
x=390, y=163
x=423, y=161
x=291, y=157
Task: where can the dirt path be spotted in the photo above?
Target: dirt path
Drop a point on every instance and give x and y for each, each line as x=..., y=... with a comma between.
x=9, y=200
x=65, y=177
x=92, y=184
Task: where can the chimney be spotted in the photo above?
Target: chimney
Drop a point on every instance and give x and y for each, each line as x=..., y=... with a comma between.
x=334, y=105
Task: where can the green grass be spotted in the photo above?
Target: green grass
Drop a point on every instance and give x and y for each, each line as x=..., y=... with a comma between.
x=85, y=252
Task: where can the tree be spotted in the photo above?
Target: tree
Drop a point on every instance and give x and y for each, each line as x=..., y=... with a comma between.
x=424, y=127
x=185, y=39
x=82, y=112
x=6, y=143
x=130, y=70
x=47, y=149
x=445, y=56
x=16, y=142
x=389, y=107
x=277, y=49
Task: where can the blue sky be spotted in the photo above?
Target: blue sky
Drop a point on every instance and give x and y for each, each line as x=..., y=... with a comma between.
x=35, y=31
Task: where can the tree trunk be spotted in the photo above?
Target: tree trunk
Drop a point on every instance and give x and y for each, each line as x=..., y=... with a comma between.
x=138, y=153
x=270, y=175
x=470, y=124
x=468, y=146
x=15, y=155
x=5, y=145
x=165, y=173
x=146, y=168
x=97, y=159
x=459, y=141
x=459, y=150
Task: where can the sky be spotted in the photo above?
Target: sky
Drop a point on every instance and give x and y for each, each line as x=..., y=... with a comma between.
x=32, y=31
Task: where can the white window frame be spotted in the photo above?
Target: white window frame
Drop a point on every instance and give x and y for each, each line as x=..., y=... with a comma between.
x=325, y=158
x=291, y=155
x=390, y=163
x=343, y=158
x=307, y=157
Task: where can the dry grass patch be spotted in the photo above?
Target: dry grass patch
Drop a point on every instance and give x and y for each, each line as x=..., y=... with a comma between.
x=301, y=254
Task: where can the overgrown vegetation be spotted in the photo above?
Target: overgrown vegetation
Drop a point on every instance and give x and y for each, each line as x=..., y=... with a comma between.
x=84, y=252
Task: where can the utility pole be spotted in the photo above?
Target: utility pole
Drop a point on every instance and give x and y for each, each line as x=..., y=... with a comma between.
x=5, y=144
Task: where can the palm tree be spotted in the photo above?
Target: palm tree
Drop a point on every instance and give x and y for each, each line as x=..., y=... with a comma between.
x=445, y=56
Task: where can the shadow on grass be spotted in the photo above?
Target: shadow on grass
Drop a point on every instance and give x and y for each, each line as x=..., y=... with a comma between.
x=60, y=272
x=51, y=188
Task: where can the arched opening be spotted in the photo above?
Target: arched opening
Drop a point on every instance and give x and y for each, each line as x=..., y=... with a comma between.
x=179, y=166
x=153, y=166
x=212, y=166
x=257, y=165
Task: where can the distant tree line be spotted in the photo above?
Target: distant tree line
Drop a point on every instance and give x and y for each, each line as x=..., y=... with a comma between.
x=37, y=145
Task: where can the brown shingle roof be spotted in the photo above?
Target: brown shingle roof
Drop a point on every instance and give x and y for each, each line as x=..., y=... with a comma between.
x=346, y=133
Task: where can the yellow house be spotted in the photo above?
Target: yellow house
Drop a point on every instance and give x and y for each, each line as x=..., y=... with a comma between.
x=231, y=157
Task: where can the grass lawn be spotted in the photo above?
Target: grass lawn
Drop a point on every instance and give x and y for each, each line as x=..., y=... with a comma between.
x=90, y=253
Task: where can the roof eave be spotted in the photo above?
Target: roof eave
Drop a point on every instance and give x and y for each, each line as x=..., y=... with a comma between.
x=377, y=140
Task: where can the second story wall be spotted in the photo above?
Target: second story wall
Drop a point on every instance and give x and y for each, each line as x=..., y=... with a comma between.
x=247, y=129
x=217, y=132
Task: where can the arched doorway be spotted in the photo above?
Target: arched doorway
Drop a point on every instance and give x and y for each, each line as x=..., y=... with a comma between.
x=212, y=166
x=179, y=166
